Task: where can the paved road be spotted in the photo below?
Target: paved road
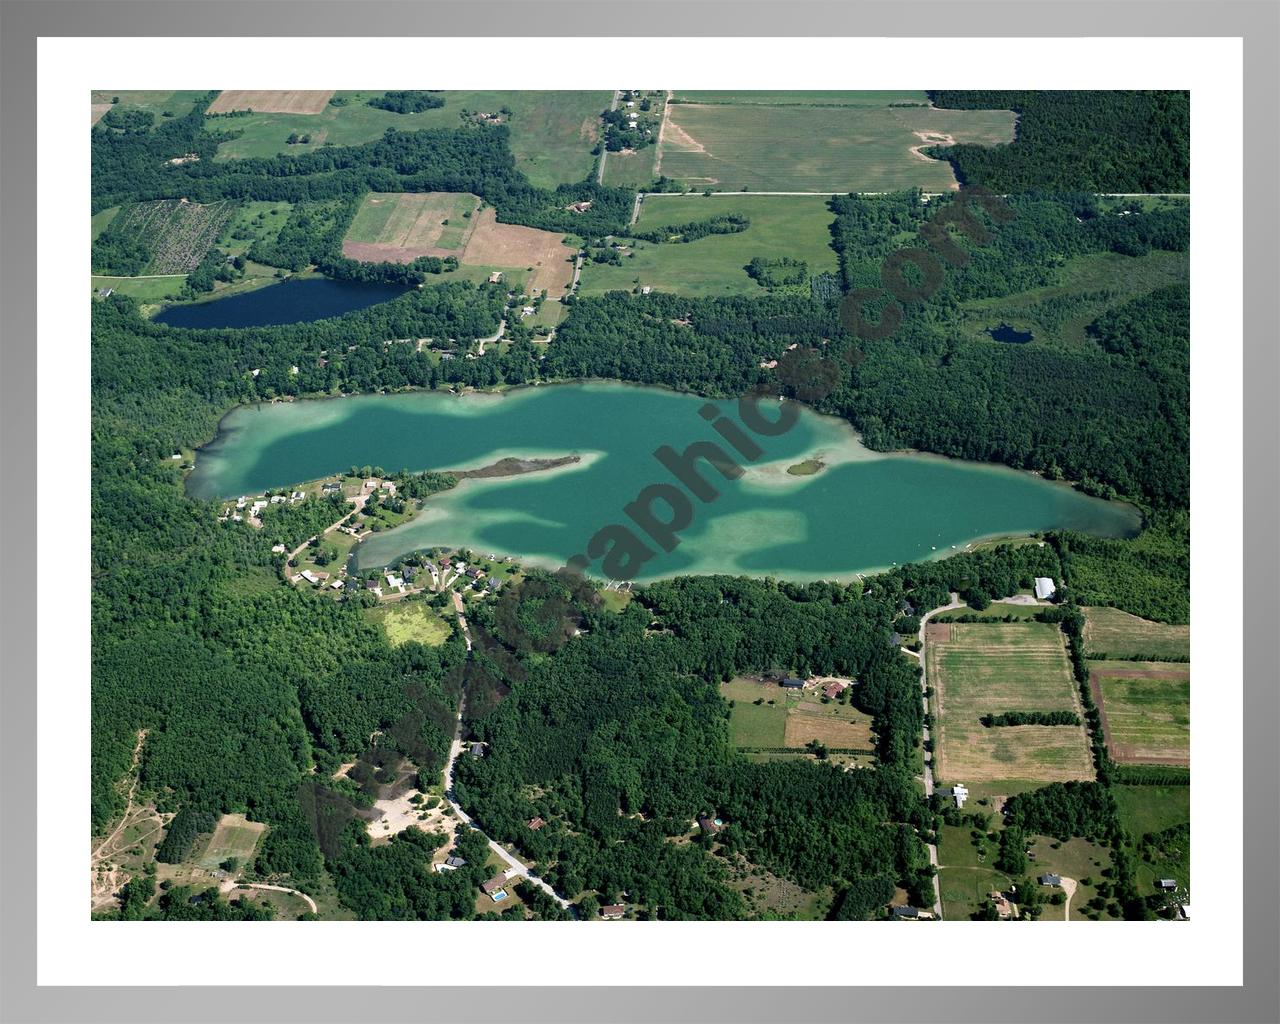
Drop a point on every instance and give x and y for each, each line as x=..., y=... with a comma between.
x=515, y=867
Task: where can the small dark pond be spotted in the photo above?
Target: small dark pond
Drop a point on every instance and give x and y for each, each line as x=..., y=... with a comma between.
x=289, y=302
x=1010, y=335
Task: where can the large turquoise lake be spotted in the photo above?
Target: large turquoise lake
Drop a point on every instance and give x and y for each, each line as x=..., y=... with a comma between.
x=863, y=511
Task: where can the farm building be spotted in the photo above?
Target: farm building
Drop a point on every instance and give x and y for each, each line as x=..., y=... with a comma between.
x=613, y=911
x=792, y=683
x=1045, y=588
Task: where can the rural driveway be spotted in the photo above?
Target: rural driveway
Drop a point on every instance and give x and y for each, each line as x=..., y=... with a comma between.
x=1069, y=887
x=278, y=888
x=928, y=756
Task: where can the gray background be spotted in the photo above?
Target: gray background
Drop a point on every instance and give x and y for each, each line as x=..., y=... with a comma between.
x=1257, y=895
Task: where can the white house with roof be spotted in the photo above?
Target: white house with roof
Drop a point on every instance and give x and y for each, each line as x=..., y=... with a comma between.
x=1045, y=588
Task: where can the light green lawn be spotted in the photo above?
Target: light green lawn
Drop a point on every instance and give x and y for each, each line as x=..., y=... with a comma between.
x=794, y=226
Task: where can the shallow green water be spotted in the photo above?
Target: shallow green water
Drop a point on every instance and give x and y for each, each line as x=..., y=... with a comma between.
x=863, y=511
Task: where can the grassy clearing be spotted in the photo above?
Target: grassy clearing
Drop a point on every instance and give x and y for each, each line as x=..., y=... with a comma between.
x=615, y=600
x=794, y=226
x=1085, y=288
x=769, y=147
x=756, y=725
x=996, y=611
x=252, y=222
x=100, y=221
x=162, y=103
x=979, y=668
x=1147, y=716
x=144, y=289
x=236, y=837
x=1145, y=810
x=552, y=133
x=1111, y=633
x=410, y=620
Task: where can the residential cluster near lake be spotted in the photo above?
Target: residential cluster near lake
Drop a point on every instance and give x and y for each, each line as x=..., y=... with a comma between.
x=641, y=505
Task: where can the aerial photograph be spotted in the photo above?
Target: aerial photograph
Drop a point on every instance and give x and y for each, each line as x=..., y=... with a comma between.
x=640, y=505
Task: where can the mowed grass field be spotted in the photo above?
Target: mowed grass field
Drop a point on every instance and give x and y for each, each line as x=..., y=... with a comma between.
x=792, y=719
x=410, y=620
x=401, y=226
x=772, y=147
x=1146, y=710
x=1111, y=633
x=979, y=668
x=552, y=133
x=794, y=226
x=235, y=836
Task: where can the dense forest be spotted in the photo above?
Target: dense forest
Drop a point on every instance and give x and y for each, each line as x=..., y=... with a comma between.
x=1096, y=141
x=608, y=725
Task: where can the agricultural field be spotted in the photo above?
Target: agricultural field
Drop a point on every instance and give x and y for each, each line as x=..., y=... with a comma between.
x=1084, y=288
x=798, y=227
x=788, y=719
x=271, y=101
x=177, y=232
x=771, y=147
x=1111, y=633
x=399, y=227
x=987, y=668
x=404, y=621
x=1146, y=710
x=552, y=133
x=807, y=97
